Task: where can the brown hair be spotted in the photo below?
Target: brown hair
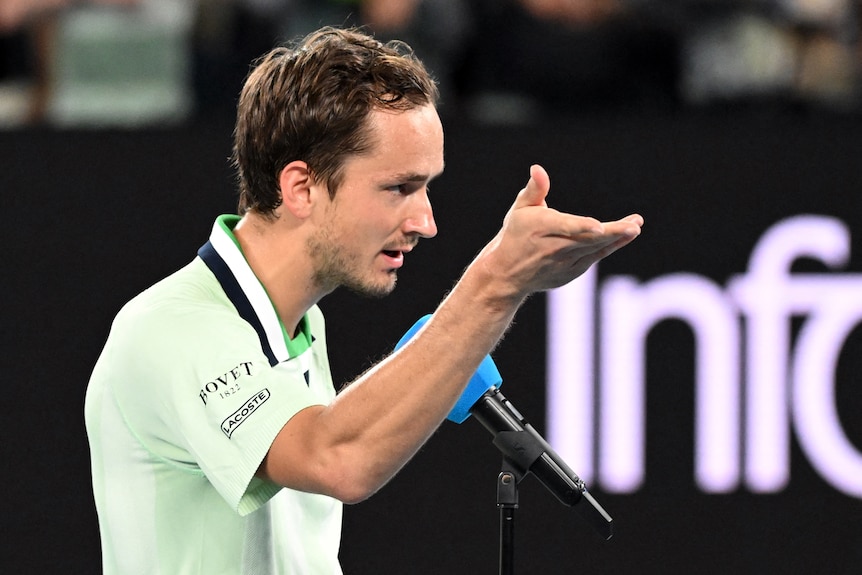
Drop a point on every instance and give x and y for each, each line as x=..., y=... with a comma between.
x=311, y=103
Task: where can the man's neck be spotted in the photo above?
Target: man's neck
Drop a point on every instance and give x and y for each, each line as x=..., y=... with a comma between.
x=275, y=252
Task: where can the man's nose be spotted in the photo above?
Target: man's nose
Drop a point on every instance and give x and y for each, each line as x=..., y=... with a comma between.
x=421, y=220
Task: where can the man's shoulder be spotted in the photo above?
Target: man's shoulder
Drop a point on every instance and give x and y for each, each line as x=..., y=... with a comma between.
x=191, y=285
x=189, y=298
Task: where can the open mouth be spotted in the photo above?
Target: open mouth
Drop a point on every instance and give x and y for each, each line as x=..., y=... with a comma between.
x=394, y=258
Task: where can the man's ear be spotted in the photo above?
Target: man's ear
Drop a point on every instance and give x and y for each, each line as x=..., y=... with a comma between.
x=295, y=182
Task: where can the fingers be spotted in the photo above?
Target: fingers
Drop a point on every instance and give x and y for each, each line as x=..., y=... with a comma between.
x=636, y=219
x=540, y=248
x=586, y=249
x=536, y=190
x=615, y=235
x=584, y=229
x=627, y=227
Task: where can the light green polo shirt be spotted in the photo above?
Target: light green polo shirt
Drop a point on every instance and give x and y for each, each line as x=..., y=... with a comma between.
x=196, y=379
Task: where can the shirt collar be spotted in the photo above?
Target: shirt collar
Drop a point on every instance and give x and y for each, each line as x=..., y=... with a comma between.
x=223, y=255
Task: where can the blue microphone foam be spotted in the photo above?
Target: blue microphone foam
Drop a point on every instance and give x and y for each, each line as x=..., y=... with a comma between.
x=487, y=376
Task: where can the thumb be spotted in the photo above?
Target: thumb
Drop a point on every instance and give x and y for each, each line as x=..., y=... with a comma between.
x=536, y=190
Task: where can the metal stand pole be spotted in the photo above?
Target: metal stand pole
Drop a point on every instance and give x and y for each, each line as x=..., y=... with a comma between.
x=507, y=502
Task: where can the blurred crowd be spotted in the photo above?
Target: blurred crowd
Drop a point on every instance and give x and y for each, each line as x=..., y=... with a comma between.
x=134, y=62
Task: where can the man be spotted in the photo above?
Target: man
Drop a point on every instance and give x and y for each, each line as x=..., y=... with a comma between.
x=218, y=442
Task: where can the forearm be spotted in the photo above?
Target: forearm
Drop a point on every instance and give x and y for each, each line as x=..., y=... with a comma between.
x=352, y=447
x=379, y=422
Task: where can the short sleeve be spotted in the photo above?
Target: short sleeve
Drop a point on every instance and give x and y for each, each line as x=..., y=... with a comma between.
x=203, y=397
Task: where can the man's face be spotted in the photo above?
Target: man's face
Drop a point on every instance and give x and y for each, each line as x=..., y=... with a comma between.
x=381, y=208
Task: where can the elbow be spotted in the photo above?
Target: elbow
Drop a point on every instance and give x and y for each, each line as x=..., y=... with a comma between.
x=351, y=488
x=348, y=487
x=334, y=478
x=352, y=497
x=306, y=458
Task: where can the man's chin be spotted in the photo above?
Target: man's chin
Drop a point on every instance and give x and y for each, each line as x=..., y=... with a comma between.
x=374, y=290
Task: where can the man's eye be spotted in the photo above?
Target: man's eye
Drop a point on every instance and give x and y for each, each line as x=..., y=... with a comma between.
x=407, y=189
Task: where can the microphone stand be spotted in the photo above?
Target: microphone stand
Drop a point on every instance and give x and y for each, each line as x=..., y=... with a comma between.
x=507, y=502
x=520, y=450
x=522, y=447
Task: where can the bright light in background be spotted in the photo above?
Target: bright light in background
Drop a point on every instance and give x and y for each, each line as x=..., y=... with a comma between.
x=742, y=335
x=571, y=360
x=629, y=311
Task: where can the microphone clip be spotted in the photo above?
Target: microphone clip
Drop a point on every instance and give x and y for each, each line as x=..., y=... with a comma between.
x=507, y=485
x=519, y=448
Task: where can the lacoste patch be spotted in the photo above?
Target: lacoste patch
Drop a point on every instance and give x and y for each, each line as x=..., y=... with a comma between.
x=250, y=406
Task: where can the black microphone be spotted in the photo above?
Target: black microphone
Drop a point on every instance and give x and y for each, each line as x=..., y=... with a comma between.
x=522, y=446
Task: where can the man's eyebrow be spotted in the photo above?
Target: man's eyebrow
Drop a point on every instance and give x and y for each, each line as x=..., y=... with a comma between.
x=414, y=177
x=409, y=177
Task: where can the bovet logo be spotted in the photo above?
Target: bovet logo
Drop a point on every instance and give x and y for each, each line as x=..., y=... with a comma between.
x=250, y=406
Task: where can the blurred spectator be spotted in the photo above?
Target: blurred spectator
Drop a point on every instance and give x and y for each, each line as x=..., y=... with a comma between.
x=772, y=51
x=122, y=67
x=16, y=77
x=28, y=50
x=550, y=57
x=573, y=12
x=15, y=14
x=230, y=34
x=438, y=30
x=134, y=62
x=827, y=34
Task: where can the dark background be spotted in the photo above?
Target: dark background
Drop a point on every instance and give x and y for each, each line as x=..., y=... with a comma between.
x=92, y=217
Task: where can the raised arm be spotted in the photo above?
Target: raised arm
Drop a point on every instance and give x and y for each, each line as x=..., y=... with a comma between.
x=352, y=447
